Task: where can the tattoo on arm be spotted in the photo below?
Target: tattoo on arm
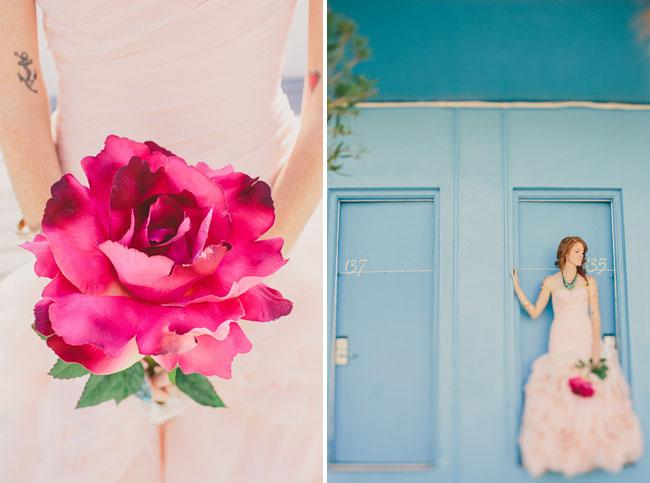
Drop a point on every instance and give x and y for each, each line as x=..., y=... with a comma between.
x=28, y=77
x=314, y=79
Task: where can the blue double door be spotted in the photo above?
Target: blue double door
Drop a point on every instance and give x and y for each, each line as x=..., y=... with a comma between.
x=428, y=348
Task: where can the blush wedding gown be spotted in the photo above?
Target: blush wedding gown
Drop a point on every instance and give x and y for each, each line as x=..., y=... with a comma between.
x=202, y=79
x=567, y=433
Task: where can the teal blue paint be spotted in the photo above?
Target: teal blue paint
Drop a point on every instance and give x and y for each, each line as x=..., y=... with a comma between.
x=501, y=50
x=480, y=162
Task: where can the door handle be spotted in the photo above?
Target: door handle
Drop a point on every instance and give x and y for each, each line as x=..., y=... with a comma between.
x=342, y=351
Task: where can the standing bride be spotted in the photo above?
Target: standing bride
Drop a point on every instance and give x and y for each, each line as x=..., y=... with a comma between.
x=574, y=421
x=201, y=78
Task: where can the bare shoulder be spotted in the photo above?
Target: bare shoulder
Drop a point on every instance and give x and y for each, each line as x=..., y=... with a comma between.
x=550, y=282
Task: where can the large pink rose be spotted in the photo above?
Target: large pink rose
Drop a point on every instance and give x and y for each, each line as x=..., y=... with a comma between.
x=155, y=258
x=581, y=387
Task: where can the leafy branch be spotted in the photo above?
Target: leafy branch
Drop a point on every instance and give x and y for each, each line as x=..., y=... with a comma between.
x=345, y=50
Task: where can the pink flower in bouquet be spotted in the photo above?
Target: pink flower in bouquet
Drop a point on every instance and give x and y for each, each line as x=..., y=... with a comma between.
x=157, y=258
x=581, y=387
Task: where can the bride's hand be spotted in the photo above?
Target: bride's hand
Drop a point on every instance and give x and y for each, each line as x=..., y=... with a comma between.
x=161, y=388
x=595, y=356
x=515, y=277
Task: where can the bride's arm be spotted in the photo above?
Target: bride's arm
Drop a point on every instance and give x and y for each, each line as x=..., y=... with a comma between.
x=298, y=188
x=594, y=309
x=542, y=299
x=25, y=139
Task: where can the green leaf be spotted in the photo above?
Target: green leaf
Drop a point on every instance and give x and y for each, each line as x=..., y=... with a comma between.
x=601, y=371
x=199, y=388
x=116, y=386
x=67, y=370
x=172, y=376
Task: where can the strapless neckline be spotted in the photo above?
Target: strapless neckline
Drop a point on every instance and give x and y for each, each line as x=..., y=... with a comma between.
x=572, y=289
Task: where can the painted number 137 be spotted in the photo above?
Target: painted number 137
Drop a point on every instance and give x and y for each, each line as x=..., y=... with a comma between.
x=355, y=266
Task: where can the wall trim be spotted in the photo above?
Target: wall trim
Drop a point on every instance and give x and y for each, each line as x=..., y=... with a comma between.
x=605, y=106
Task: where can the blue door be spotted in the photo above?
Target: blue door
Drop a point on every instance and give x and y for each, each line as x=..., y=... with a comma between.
x=428, y=347
x=542, y=223
x=543, y=218
x=384, y=343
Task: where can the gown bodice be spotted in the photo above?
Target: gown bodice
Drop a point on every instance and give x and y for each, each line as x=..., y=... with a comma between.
x=199, y=77
x=570, y=304
x=571, y=326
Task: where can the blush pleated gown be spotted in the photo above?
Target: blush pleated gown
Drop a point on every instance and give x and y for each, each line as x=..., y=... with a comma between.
x=566, y=433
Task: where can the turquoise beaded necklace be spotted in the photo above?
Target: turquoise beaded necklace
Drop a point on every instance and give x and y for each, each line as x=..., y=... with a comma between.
x=570, y=284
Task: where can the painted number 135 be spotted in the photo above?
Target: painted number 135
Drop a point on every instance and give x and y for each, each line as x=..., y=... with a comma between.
x=597, y=265
x=355, y=266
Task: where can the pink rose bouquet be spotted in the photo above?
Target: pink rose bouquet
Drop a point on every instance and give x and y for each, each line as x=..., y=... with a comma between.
x=581, y=387
x=154, y=263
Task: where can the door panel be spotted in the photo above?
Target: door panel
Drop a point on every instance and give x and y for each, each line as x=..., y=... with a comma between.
x=385, y=309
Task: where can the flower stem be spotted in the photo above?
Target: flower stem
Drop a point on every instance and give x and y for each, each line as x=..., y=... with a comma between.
x=150, y=366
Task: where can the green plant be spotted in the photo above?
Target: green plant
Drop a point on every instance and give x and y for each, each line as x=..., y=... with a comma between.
x=345, y=50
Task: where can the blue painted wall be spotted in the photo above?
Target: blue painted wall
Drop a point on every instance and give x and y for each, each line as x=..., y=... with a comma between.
x=532, y=50
x=480, y=163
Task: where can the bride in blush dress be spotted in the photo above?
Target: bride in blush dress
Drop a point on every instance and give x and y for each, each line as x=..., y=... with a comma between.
x=568, y=426
x=201, y=78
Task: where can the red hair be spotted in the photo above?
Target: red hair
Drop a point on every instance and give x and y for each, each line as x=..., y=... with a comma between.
x=563, y=250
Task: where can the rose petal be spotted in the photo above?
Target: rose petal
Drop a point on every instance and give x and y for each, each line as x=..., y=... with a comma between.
x=105, y=322
x=42, y=317
x=132, y=184
x=246, y=270
x=263, y=303
x=210, y=357
x=73, y=232
x=182, y=177
x=207, y=316
x=164, y=221
x=45, y=265
x=247, y=265
x=158, y=340
x=93, y=358
x=202, y=235
x=156, y=337
x=128, y=235
x=250, y=206
x=134, y=267
x=155, y=148
x=156, y=278
x=215, y=173
x=100, y=170
x=59, y=287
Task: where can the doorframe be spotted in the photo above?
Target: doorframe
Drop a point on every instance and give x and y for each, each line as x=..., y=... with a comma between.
x=337, y=196
x=614, y=197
